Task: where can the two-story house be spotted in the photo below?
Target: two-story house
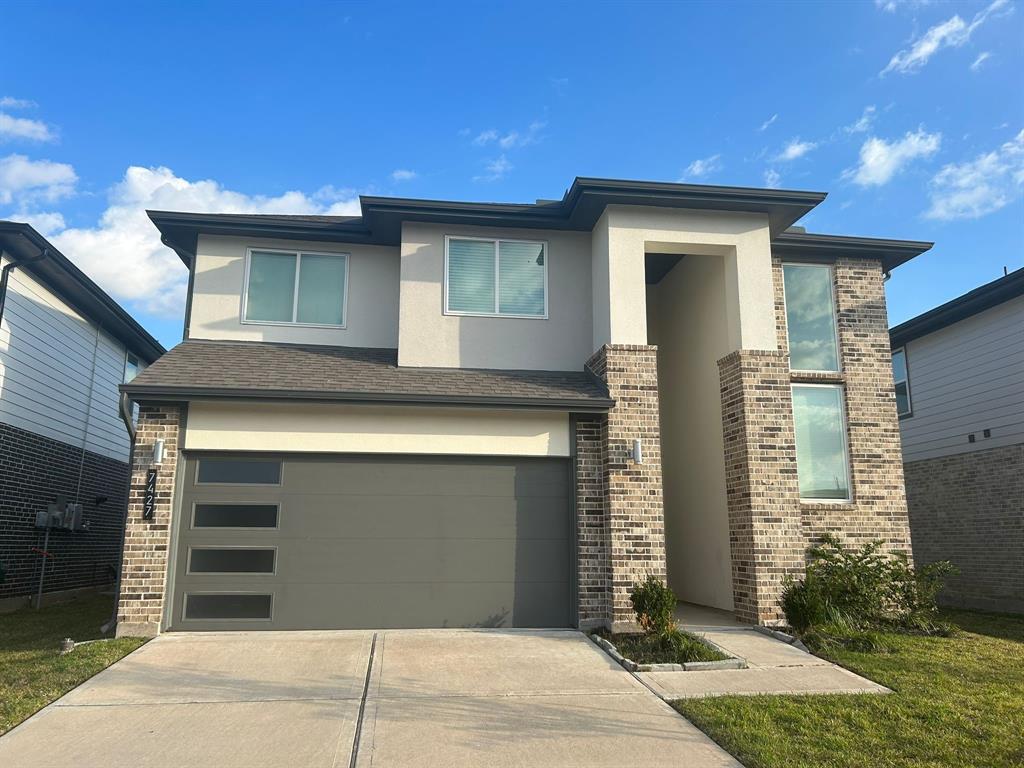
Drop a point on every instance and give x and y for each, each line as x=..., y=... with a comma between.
x=959, y=374
x=65, y=348
x=443, y=414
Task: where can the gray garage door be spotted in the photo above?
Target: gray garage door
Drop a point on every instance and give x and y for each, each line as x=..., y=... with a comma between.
x=373, y=542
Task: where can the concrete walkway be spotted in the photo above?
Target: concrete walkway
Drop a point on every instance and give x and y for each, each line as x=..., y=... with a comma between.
x=420, y=698
x=774, y=667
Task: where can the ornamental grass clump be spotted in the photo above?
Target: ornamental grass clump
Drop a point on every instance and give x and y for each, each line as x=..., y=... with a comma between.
x=848, y=595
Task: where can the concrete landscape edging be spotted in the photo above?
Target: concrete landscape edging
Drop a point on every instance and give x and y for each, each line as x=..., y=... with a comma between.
x=796, y=642
x=733, y=662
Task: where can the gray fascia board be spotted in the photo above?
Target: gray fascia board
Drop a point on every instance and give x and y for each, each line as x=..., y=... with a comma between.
x=186, y=393
x=892, y=253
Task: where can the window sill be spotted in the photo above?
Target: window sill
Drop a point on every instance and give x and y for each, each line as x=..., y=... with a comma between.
x=817, y=377
x=450, y=313
x=825, y=505
x=277, y=324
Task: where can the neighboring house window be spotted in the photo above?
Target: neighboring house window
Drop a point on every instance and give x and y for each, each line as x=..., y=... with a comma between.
x=296, y=288
x=822, y=458
x=506, y=278
x=810, y=317
x=902, y=381
x=131, y=367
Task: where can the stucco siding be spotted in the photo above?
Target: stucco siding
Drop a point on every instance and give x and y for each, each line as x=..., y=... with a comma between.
x=317, y=428
x=59, y=372
x=429, y=337
x=964, y=379
x=686, y=320
x=219, y=286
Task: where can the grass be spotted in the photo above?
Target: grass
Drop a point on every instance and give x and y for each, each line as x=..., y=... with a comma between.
x=648, y=649
x=956, y=701
x=32, y=671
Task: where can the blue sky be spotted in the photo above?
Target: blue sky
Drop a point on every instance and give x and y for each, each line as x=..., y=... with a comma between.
x=910, y=114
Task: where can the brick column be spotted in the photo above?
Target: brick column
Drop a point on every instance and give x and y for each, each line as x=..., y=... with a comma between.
x=635, y=513
x=762, y=491
x=140, y=604
x=593, y=570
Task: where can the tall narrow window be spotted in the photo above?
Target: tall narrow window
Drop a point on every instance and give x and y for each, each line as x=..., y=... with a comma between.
x=296, y=288
x=810, y=317
x=822, y=460
x=902, y=382
x=131, y=367
x=506, y=278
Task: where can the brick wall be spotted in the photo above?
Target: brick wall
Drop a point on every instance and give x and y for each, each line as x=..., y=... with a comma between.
x=34, y=470
x=765, y=535
x=769, y=527
x=592, y=565
x=969, y=508
x=144, y=574
x=635, y=513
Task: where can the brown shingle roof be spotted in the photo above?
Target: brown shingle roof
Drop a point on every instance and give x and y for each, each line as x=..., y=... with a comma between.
x=230, y=369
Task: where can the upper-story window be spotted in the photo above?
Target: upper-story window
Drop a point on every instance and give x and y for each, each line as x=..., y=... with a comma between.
x=902, y=382
x=505, y=278
x=131, y=367
x=810, y=317
x=298, y=288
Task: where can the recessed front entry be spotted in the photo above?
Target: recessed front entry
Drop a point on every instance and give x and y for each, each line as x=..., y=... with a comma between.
x=296, y=542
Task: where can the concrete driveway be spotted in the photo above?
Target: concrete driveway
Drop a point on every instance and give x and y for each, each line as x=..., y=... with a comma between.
x=391, y=698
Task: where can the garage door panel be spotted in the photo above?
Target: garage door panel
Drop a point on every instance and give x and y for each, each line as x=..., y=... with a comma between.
x=424, y=516
x=384, y=542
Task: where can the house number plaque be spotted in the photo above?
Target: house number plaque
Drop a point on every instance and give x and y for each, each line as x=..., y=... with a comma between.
x=149, y=499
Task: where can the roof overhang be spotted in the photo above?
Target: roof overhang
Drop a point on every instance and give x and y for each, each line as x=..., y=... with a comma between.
x=578, y=210
x=805, y=245
x=992, y=294
x=20, y=242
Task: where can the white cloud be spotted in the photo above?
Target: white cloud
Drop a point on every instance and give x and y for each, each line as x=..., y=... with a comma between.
x=980, y=186
x=772, y=179
x=982, y=58
x=9, y=102
x=704, y=167
x=952, y=33
x=864, y=122
x=880, y=160
x=795, y=149
x=45, y=222
x=123, y=252
x=769, y=121
x=495, y=170
x=23, y=128
x=511, y=138
x=890, y=6
x=403, y=174
x=24, y=181
x=486, y=137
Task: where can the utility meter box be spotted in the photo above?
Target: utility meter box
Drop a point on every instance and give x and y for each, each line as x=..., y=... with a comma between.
x=60, y=515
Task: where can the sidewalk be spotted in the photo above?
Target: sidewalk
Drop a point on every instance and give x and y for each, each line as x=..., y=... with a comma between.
x=774, y=667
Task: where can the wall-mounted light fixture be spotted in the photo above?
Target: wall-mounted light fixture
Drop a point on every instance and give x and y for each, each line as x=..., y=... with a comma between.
x=158, y=451
x=638, y=452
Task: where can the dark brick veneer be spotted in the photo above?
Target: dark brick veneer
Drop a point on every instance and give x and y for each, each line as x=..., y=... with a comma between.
x=33, y=471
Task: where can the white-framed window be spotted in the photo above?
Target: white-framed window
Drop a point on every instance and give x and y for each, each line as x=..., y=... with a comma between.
x=495, y=277
x=810, y=317
x=822, y=455
x=295, y=288
x=901, y=379
x=131, y=367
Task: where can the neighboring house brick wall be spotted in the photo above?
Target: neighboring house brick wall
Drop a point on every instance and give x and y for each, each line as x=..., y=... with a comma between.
x=762, y=485
x=635, y=511
x=144, y=569
x=969, y=509
x=34, y=470
x=592, y=566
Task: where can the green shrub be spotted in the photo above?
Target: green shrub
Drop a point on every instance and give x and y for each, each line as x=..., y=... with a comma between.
x=863, y=589
x=654, y=605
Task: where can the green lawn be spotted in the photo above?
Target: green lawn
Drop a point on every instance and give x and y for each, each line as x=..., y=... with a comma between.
x=956, y=702
x=32, y=671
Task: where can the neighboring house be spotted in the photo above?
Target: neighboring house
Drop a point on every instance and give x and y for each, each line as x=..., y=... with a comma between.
x=65, y=347
x=476, y=414
x=959, y=372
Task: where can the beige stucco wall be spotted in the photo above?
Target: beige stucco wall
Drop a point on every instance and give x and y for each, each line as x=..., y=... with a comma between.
x=371, y=314
x=741, y=239
x=428, y=337
x=687, y=321
x=333, y=428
